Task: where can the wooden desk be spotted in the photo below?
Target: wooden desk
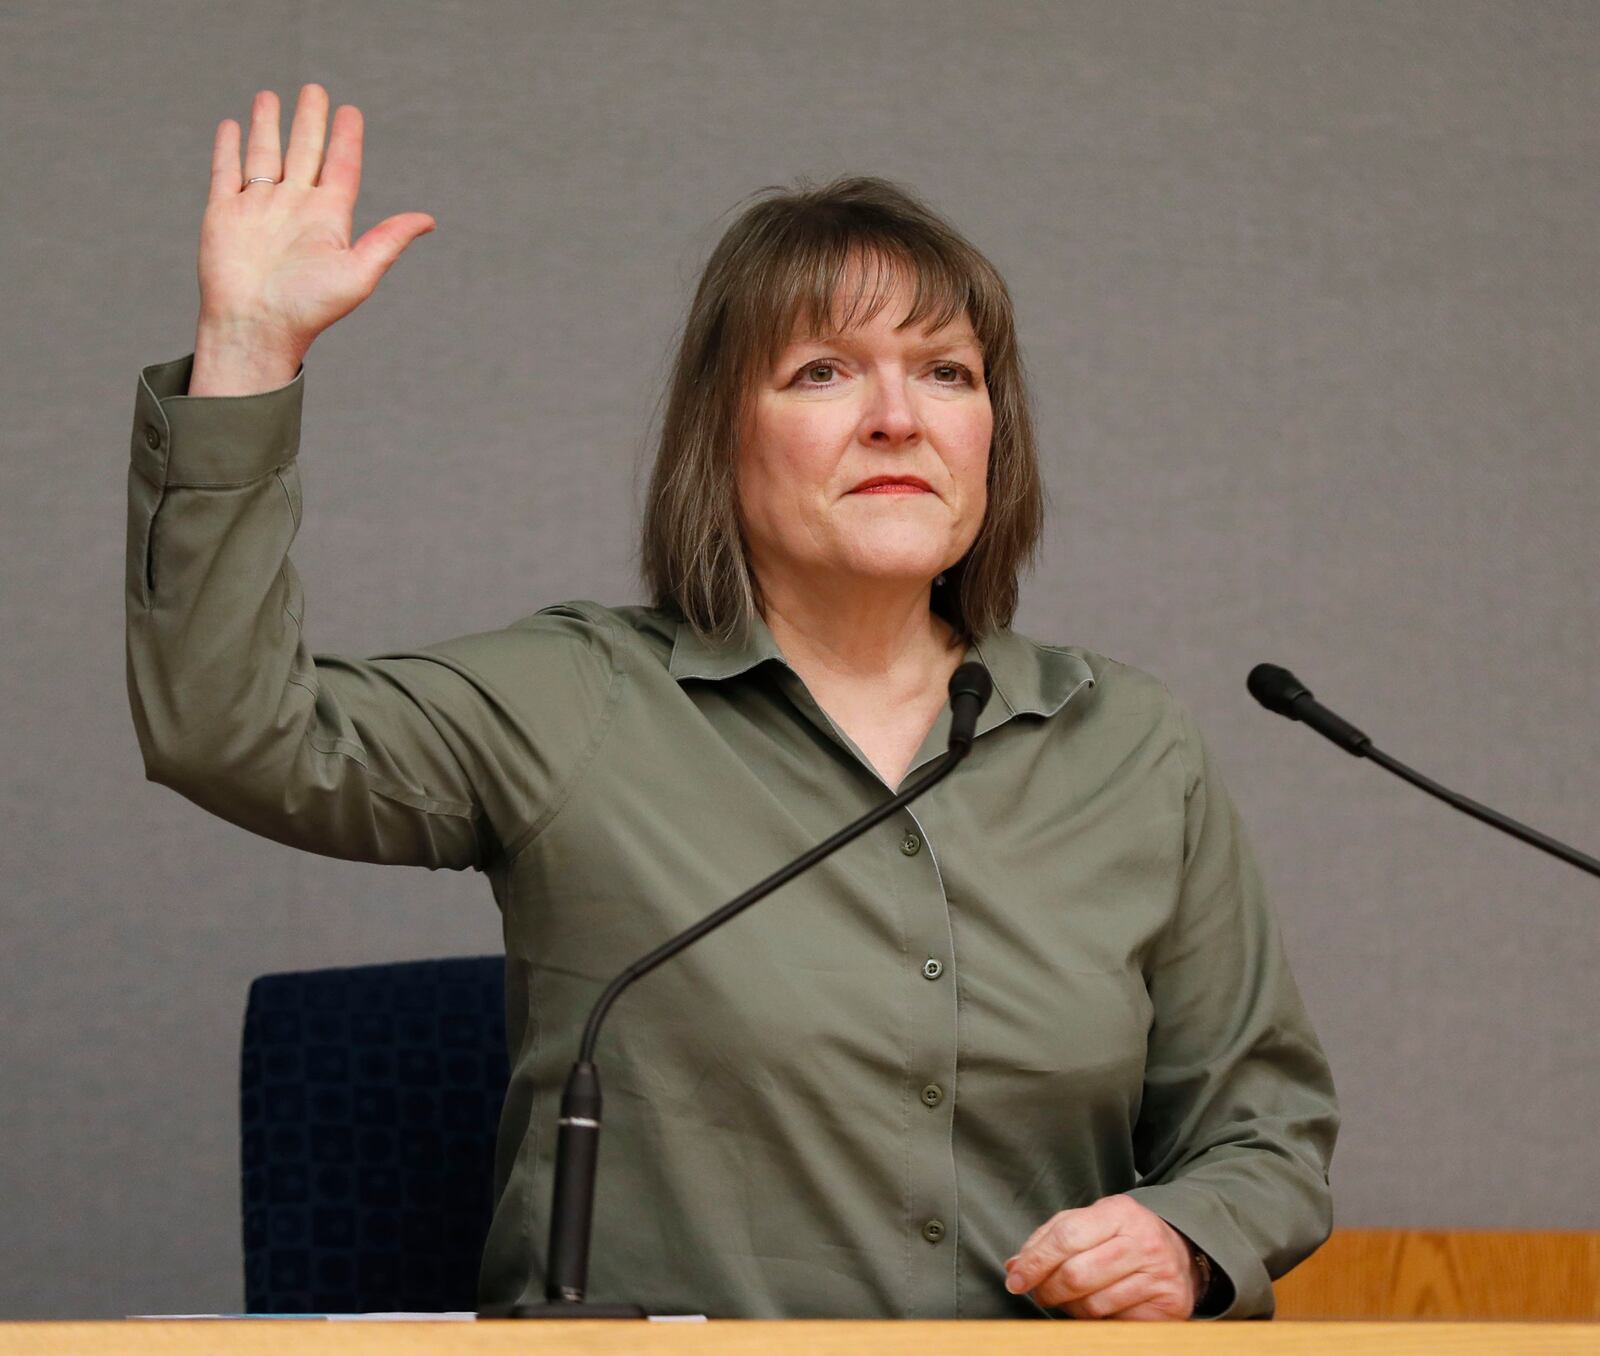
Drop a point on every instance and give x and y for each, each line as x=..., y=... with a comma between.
x=728, y=1337
x=1446, y=1274
x=1359, y=1274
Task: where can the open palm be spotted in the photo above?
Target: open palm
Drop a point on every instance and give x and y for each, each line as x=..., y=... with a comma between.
x=277, y=256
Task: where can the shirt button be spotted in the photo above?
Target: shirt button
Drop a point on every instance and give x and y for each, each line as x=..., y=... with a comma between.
x=933, y=1230
x=932, y=969
x=152, y=436
x=910, y=844
x=933, y=1094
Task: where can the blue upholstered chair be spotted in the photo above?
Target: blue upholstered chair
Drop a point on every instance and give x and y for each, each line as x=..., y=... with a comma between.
x=368, y=1102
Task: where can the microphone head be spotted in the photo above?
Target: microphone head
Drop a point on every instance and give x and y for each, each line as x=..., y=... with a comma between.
x=1276, y=689
x=970, y=686
x=973, y=679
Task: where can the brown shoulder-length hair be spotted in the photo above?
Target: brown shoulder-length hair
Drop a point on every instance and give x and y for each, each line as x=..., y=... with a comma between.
x=781, y=262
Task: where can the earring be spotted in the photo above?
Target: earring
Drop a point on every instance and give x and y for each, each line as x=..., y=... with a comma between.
x=939, y=579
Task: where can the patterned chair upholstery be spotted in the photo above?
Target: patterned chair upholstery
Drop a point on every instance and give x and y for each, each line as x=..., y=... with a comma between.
x=368, y=1100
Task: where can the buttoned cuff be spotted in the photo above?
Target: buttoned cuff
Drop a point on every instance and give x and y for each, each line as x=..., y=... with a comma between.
x=211, y=441
x=1201, y=1218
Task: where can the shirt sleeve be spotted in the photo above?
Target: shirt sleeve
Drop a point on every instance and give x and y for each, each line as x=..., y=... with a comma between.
x=1238, y=1120
x=447, y=755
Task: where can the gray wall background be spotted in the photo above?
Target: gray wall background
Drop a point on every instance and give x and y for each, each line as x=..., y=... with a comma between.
x=1308, y=293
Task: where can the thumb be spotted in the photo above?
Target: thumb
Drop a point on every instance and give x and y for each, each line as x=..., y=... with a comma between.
x=385, y=242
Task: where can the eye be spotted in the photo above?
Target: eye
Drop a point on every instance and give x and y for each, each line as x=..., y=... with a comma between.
x=811, y=370
x=805, y=377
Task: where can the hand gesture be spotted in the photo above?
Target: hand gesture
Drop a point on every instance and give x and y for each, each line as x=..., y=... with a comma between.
x=1113, y=1259
x=276, y=262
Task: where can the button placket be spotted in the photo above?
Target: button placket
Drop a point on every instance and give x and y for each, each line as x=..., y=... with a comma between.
x=934, y=1198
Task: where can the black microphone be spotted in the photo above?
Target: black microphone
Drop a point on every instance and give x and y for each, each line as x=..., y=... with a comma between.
x=578, y=1133
x=1279, y=690
x=970, y=687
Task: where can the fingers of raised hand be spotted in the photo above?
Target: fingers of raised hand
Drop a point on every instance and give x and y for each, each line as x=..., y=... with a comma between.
x=341, y=168
x=305, y=162
x=263, y=155
x=225, y=181
x=306, y=135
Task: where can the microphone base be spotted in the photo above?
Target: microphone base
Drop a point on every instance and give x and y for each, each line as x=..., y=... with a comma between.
x=563, y=1309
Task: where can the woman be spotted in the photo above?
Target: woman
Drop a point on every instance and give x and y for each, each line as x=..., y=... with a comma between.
x=1030, y=1047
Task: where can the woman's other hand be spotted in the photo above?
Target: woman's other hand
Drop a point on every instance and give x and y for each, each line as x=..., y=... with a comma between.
x=1112, y=1259
x=276, y=263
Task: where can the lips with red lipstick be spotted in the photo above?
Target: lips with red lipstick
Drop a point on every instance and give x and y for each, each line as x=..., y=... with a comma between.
x=893, y=485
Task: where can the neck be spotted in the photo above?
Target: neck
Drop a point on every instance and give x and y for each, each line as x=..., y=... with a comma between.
x=882, y=633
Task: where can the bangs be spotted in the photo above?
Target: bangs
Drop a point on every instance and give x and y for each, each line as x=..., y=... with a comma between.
x=826, y=285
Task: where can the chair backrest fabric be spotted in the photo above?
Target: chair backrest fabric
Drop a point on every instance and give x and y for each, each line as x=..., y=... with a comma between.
x=369, y=1100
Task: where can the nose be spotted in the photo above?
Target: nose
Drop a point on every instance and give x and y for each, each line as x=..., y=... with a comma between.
x=891, y=417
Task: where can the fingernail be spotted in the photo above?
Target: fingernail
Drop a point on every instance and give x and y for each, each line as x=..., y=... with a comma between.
x=1014, y=1282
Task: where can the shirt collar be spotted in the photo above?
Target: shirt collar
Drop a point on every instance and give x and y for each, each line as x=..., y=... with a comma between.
x=1028, y=677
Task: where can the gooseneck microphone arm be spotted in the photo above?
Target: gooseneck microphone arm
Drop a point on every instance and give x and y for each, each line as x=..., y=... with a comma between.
x=578, y=1134
x=1279, y=690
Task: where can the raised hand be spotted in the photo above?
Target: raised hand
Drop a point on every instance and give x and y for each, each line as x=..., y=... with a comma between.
x=277, y=266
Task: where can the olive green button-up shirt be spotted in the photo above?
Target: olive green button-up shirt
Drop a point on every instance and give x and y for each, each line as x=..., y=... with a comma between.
x=1053, y=978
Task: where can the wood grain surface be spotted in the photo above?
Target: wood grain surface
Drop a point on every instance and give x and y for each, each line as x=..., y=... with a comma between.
x=1446, y=1274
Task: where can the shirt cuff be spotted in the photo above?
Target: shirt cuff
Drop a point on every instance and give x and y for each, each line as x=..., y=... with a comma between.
x=215, y=441
x=1235, y=1268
